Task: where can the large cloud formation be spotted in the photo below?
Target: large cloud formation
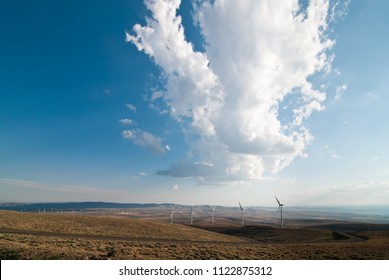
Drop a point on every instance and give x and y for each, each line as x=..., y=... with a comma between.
x=243, y=101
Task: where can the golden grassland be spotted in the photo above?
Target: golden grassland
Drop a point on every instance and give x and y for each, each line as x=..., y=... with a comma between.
x=105, y=226
x=56, y=236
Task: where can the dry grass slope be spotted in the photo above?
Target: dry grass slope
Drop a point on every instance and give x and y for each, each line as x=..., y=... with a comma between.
x=106, y=227
x=65, y=236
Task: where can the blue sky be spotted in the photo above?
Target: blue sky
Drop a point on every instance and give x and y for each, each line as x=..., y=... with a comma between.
x=195, y=104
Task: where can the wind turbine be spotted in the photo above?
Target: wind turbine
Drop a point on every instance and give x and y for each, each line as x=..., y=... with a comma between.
x=191, y=215
x=280, y=205
x=172, y=216
x=213, y=215
x=242, y=211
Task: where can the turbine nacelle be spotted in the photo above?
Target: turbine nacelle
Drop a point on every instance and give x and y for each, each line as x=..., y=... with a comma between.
x=279, y=203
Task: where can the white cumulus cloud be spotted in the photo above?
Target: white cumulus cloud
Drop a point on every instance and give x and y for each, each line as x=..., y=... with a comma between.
x=258, y=53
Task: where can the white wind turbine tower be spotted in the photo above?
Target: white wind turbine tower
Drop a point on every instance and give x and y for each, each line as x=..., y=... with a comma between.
x=213, y=215
x=172, y=216
x=280, y=205
x=242, y=211
x=191, y=215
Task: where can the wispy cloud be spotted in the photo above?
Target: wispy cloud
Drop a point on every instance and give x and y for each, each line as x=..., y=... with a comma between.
x=145, y=140
x=128, y=134
x=362, y=192
x=187, y=170
x=370, y=96
x=156, y=95
x=326, y=152
x=131, y=107
x=127, y=122
x=339, y=10
x=257, y=54
x=45, y=186
x=339, y=92
x=38, y=191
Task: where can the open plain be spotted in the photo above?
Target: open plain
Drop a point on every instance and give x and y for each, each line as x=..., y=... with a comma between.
x=125, y=236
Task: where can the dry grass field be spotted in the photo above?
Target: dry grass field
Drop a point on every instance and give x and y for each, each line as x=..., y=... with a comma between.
x=67, y=236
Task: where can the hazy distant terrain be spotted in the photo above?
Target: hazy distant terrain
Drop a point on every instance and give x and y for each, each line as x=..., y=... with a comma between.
x=262, y=215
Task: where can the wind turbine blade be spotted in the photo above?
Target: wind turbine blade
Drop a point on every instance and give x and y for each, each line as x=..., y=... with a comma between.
x=277, y=200
x=240, y=206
